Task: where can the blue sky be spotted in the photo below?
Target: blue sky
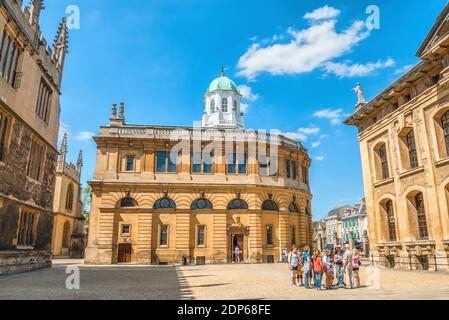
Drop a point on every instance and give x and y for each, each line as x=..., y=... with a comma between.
x=298, y=65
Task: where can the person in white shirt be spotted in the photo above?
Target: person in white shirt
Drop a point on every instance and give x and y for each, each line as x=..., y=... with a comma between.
x=293, y=263
x=347, y=267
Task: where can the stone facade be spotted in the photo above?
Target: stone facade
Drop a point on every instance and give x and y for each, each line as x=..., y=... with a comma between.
x=142, y=212
x=404, y=142
x=68, y=233
x=30, y=86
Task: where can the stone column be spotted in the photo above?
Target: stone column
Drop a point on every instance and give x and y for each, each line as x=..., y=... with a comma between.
x=335, y=238
x=319, y=243
x=351, y=240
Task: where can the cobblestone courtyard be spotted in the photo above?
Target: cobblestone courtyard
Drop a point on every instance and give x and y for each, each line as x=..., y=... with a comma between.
x=263, y=281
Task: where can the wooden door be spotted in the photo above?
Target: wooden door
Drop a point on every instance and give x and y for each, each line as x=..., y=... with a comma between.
x=124, y=253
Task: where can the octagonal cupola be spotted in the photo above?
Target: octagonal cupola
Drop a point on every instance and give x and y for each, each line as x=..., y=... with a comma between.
x=222, y=104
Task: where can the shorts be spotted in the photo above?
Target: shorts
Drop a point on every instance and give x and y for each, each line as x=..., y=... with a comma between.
x=355, y=269
x=299, y=272
x=294, y=268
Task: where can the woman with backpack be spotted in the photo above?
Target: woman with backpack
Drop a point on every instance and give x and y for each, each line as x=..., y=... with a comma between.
x=338, y=260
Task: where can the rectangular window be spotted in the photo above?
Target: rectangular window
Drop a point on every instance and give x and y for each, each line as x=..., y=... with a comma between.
x=5, y=55
x=267, y=166
x=231, y=162
x=161, y=165
x=44, y=101
x=163, y=238
x=130, y=160
x=288, y=172
x=3, y=132
x=305, y=175
x=196, y=162
x=269, y=235
x=294, y=170
x=413, y=154
x=126, y=230
x=201, y=235
x=172, y=158
x=207, y=163
x=293, y=234
x=241, y=160
x=25, y=236
x=384, y=162
x=36, y=160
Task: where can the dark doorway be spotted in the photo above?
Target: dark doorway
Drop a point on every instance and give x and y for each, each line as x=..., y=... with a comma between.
x=238, y=242
x=124, y=253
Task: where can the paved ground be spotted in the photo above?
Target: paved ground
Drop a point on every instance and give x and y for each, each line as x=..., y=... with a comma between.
x=260, y=281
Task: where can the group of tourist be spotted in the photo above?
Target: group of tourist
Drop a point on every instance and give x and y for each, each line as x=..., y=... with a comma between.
x=320, y=269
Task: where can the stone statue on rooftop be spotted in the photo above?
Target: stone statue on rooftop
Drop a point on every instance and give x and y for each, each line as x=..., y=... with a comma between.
x=360, y=95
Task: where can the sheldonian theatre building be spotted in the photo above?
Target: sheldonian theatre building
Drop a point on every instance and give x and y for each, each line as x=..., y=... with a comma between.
x=212, y=193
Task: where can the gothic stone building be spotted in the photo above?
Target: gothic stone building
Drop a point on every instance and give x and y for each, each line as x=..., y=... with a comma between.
x=153, y=204
x=68, y=234
x=404, y=141
x=30, y=84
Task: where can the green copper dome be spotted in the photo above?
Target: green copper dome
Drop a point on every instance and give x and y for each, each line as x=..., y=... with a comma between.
x=223, y=83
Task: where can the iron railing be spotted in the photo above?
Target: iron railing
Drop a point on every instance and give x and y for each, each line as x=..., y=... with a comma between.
x=413, y=262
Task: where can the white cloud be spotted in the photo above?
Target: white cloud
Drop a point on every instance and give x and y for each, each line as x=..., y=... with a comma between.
x=309, y=131
x=404, y=69
x=307, y=50
x=63, y=128
x=323, y=13
x=346, y=70
x=302, y=134
x=334, y=116
x=244, y=107
x=247, y=93
x=320, y=158
x=316, y=144
x=84, y=135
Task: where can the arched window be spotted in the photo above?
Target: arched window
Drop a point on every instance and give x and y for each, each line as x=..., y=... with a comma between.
x=127, y=202
x=270, y=205
x=411, y=145
x=390, y=221
x=384, y=161
x=69, y=198
x=164, y=203
x=201, y=204
x=445, y=125
x=224, y=104
x=293, y=207
x=237, y=204
x=212, y=106
x=66, y=235
x=421, y=215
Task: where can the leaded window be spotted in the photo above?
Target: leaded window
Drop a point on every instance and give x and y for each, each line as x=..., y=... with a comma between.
x=269, y=205
x=3, y=128
x=166, y=162
x=69, y=198
x=201, y=238
x=164, y=203
x=237, y=204
x=26, y=232
x=421, y=215
x=384, y=162
x=413, y=155
x=224, y=105
x=270, y=235
x=127, y=202
x=390, y=221
x=201, y=204
x=163, y=237
x=445, y=125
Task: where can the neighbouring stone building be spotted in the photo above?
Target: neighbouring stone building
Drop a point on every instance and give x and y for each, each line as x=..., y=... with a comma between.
x=171, y=195
x=404, y=142
x=68, y=224
x=30, y=86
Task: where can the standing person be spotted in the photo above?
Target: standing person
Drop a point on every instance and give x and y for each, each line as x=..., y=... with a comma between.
x=355, y=268
x=347, y=267
x=299, y=272
x=293, y=263
x=328, y=264
x=306, y=268
x=318, y=269
x=338, y=260
x=237, y=254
